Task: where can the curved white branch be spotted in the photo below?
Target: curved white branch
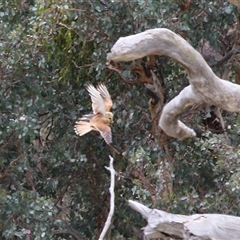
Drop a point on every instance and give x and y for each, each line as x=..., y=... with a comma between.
x=185, y=99
x=205, y=86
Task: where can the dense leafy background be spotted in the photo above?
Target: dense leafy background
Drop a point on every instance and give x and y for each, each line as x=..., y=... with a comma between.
x=54, y=182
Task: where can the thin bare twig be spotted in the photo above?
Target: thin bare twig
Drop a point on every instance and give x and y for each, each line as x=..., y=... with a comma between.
x=111, y=67
x=64, y=25
x=69, y=230
x=235, y=50
x=83, y=66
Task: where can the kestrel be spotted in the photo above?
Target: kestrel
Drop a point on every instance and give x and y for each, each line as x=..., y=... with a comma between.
x=101, y=118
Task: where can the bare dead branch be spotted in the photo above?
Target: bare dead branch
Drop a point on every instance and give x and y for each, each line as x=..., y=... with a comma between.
x=205, y=86
x=69, y=230
x=226, y=57
x=112, y=199
x=182, y=227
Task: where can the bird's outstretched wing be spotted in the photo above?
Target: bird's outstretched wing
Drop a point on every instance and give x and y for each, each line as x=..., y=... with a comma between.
x=98, y=104
x=106, y=96
x=105, y=132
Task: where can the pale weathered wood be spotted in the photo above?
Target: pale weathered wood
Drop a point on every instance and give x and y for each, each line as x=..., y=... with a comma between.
x=205, y=86
x=197, y=226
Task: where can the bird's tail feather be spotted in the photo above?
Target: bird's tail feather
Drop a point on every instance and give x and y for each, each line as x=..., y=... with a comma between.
x=82, y=128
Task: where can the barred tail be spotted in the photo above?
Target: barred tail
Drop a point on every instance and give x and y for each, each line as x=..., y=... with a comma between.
x=82, y=128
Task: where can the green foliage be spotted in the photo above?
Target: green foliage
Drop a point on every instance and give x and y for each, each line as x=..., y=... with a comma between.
x=30, y=215
x=50, y=50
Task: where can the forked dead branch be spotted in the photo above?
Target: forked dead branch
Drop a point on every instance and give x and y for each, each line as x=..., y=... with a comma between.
x=205, y=86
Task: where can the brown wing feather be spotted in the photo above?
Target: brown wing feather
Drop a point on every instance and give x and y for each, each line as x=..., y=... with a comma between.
x=106, y=96
x=107, y=135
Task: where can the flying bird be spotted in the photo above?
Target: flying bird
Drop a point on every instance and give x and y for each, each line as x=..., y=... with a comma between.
x=101, y=118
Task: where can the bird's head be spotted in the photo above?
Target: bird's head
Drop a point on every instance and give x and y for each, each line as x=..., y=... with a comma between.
x=109, y=115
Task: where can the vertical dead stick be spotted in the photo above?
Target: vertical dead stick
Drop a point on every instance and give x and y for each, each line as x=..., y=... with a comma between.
x=112, y=199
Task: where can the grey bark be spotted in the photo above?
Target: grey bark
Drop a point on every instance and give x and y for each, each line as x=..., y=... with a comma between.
x=205, y=86
x=195, y=227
